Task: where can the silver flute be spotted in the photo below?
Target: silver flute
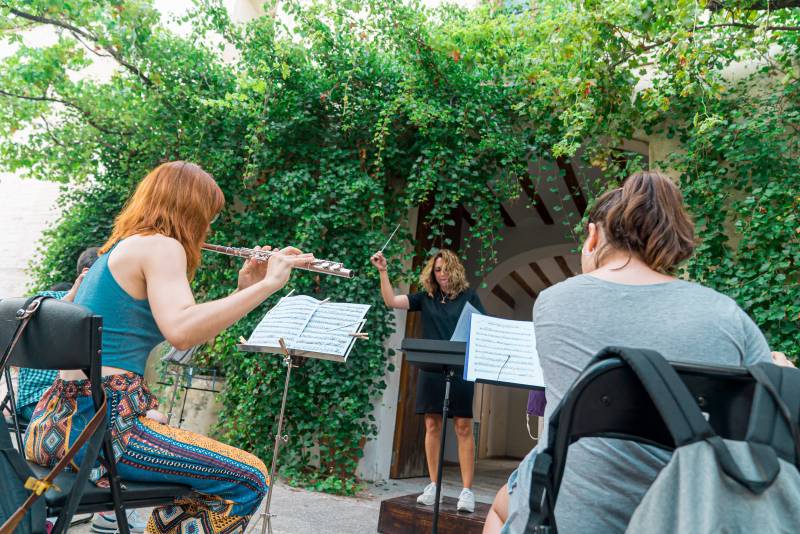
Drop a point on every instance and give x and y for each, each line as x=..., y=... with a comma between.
x=317, y=266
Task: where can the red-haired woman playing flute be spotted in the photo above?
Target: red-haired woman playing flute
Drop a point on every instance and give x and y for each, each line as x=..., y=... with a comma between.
x=140, y=285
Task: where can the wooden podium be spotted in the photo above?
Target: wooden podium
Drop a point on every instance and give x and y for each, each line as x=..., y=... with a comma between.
x=403, y=515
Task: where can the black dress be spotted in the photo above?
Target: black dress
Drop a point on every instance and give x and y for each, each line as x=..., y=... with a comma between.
x=439, y=318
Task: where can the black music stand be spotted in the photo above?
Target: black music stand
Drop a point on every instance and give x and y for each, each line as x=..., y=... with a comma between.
x=443, y=357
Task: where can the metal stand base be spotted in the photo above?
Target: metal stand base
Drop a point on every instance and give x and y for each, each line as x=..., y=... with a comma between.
x=266, y=516
x=448, y=375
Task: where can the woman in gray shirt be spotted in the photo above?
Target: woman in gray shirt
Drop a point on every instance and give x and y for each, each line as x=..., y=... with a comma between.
x=627, y=296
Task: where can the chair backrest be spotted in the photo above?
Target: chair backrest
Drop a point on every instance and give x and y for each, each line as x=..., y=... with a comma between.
x=608, y=401
x=61, y=335
x=635, y=395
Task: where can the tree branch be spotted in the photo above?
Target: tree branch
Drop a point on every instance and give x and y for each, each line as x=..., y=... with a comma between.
x=641, y=48
x=86, y=115
x=749, y=26
x=75, y=31
x=755, y=5
x=89, y=48
x=50, y=132
x=44, y=20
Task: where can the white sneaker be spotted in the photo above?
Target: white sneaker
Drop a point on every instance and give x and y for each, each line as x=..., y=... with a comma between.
x=428, y=496
x=106, y=523
x=466, y=501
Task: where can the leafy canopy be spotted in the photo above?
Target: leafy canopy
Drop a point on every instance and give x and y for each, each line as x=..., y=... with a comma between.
x=323, y=132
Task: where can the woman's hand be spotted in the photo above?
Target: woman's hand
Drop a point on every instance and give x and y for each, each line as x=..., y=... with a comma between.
x=70, y=296
x=779, y=358
x=379, y=261
x=252, y=271
x=281, y=263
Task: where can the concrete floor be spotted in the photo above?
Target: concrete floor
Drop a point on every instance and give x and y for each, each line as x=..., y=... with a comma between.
x=306, y=512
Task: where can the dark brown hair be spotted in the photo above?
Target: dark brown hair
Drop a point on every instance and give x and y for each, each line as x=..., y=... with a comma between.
x=87, y=258
x=646, y=217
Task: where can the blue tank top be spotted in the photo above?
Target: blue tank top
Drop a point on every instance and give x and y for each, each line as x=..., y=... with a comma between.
x=129, y=330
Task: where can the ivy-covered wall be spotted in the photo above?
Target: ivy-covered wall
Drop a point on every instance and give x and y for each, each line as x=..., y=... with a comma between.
x=322, y=135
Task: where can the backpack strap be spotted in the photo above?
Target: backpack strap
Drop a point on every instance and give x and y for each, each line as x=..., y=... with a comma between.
x=679, y=412
x=683, y=417
x=775, y=410
x=541, y=499
x=14, y=459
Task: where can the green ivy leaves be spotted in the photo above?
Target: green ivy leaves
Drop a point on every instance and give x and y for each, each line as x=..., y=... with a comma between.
x=324, y=133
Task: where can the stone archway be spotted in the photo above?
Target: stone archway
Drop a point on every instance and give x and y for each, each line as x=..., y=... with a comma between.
x=511, y=288
x=535, y=246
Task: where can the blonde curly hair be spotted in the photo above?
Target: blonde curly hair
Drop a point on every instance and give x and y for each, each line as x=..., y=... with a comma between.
x=450, y=264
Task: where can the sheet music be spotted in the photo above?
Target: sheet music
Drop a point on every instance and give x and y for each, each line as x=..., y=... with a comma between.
x=501, y=350
x=330, y=327
x=310, y=325
x=285, y=320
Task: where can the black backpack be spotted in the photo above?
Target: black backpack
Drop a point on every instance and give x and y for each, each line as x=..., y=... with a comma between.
x=664, y=412
x=14, y=472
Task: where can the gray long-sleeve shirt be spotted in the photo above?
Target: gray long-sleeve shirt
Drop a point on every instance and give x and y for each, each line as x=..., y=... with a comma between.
x=605, y=479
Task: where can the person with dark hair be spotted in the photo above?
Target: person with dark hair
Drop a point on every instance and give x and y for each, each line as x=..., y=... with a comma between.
x=445, y=292
x=87, y=258
x=628, y=295
x=34, y=382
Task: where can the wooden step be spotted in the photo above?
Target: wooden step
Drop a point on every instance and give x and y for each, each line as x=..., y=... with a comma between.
x=402, y=515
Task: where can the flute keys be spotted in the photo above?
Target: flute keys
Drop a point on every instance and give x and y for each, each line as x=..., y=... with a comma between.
x=324, y=266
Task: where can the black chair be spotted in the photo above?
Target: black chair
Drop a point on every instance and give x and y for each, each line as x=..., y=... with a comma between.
x=608, y=400
x=66, y=336
x=6, y=405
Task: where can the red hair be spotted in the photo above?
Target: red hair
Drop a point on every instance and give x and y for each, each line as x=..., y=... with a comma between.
x=177, y=199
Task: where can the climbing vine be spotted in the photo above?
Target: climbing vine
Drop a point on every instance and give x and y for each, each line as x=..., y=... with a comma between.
x=324, y=122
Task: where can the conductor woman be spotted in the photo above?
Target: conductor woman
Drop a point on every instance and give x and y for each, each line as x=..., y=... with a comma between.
x=445, y=291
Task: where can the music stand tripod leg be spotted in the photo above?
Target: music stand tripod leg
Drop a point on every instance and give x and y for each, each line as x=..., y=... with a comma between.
x=448, y=374
x=266, y=516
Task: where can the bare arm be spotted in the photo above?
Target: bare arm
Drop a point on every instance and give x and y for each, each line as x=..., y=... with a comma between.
x=498, y=513
x=185, y=323
x=70, y=296
x=387, y=291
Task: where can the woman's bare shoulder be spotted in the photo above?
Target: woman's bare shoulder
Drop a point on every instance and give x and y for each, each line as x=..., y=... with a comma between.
x=158, y=242
x=153, y=249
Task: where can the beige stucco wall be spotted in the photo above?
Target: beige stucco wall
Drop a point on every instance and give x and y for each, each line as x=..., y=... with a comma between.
x=27, y=207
